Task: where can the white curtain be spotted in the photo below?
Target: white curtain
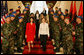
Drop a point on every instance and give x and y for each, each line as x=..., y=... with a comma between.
x=38, y=5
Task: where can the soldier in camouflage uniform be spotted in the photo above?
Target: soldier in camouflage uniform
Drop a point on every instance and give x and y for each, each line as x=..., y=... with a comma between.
x=61, y=27
x=19, y=9
x=79, y=36
x=67, y=37
x=25, y=20
x=20, y=33
x=11, y=10
x=28, y=11
x=56, y=10
x=50, y=22
x=8, y=40
x=59, y=14
x=25, y=16
x=14, y=13
x=66, y=13
x=56, y=33
x=17, y=15
x=13, y=21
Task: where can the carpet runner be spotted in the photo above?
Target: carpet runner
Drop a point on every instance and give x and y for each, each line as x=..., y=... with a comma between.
x=37, y=49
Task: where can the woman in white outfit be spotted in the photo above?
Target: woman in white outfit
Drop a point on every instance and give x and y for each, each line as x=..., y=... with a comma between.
x=43, y=33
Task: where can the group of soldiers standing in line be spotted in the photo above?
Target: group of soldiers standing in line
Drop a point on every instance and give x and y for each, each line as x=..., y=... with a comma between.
x=13, y=31
x=61, y=30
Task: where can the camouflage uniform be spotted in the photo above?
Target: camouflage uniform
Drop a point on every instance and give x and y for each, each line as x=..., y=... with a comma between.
x=56, y=11
x=79, y=38
x=62, y=23
x=50, y=24
x=16, y=18
x=25, y=20
x=67, y=38
x=8, y=41
x=56, y=34
x=15, y=28
x=20, y=35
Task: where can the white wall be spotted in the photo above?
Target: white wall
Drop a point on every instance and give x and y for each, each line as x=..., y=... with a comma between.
x=66, y=5
x=14, y=5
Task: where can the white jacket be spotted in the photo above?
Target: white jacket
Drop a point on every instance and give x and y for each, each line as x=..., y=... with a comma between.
x=44, y=29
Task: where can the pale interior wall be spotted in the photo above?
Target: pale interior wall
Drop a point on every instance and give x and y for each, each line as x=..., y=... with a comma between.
x=66, y=5
x=56, y=5
x=14, y=5
x=60, y=4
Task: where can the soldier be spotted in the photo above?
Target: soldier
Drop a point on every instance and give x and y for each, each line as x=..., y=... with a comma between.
x=13, y=21
x=61, y=27
x=14, y=13
x=67, y=37
x=20, y=34
x=17, y=15
x=19, y=9
x=79, y=36
x=8, y=40
x=62, y=20
x=56, y=33
x=25, y=16
x=28, y=11
x=25, y=20
x=56, y=10
x=50, y=22
x=11, y=10
x=59, y=14
x=66, y=13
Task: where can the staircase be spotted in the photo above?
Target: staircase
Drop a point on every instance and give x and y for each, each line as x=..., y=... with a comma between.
x=37, y=49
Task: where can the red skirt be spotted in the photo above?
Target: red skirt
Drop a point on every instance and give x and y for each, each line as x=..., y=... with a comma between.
x=30, y=38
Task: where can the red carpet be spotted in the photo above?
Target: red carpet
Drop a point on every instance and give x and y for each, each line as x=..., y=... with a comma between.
x=37, y=49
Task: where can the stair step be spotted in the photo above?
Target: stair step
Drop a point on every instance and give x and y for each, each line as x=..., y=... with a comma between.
x=39, y=51
x=38, y=42
x=38, y=46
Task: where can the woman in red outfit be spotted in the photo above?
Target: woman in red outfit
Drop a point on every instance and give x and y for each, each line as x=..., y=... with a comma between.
x=30, y=32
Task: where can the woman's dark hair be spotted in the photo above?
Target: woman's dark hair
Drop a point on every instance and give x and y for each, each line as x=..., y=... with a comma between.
x=37, y=12
x=31, y=13
x=32, y=18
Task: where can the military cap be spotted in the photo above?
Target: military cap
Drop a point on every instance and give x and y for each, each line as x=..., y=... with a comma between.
x=80, y=17
x=19, y=7
x=26, y=7
x=59, y=10
x=11, y=9
x=21, y=14
x=12, y=16
x=52, y=11
x=62, y=14
x=17, y=10
x=20, y=17
x=7, y=16
x=14, y=12
x=56, y=16
x=24, y=10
